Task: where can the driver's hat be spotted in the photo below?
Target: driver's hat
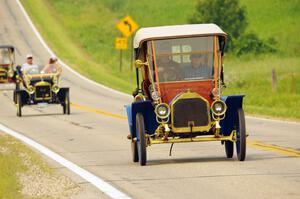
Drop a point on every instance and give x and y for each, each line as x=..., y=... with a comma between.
x=28, y=56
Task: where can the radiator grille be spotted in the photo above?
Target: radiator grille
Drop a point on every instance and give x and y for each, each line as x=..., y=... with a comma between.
x=187, y=111
x=43, y=92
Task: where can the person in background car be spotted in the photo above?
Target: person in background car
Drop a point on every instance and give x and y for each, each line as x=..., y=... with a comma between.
x=52, y=66
x=28, y=66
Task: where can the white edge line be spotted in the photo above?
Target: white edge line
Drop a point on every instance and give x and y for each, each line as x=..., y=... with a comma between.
x=61, y=62
x=97, y=182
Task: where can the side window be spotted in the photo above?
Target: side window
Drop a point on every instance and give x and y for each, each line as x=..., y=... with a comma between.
x=181, y=53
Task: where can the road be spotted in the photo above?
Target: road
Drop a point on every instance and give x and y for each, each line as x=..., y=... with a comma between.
x=95, y=139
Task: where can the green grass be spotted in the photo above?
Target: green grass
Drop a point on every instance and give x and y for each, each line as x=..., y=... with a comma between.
x=254, y=78
x=11, y=164
x=82, y=33
x=278, y=19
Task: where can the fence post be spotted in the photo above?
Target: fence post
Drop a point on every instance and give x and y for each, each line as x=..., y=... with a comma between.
x=274, y=80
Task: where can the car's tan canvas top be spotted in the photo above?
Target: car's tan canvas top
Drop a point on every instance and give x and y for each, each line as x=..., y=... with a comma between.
x=175, y=31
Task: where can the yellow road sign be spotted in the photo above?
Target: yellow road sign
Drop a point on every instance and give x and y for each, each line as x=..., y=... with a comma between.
x=121, y=43
x=127, y=26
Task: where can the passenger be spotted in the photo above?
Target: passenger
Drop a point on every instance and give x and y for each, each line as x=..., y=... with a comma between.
x=52, y=66
x=198, y=69
x=29, y=67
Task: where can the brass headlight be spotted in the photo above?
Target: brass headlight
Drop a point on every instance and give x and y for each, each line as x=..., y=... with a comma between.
x=55, y=88
x=10, y=73
x=30, y=89
x=218, y=107
x=162, y=110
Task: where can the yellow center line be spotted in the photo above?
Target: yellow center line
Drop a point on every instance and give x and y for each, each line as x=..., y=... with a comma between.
x=251, y=143
x=273, y=148
x=98, y=111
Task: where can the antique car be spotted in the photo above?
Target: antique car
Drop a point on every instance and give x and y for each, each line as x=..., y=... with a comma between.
x=35, y=87
x=178, y=98
x=7, y=59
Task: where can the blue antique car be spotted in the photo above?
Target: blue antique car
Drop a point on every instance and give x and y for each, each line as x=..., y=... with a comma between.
x=178, y=98
x=37, y=87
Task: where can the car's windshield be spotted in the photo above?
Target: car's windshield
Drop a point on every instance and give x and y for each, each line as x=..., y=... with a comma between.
x=5, y=56
x=184, y=59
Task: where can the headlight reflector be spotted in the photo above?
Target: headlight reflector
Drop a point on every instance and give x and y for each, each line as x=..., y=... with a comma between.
x=218, y=107
x=162, y=110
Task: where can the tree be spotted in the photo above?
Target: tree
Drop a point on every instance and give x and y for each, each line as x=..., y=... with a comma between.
x=227, y=14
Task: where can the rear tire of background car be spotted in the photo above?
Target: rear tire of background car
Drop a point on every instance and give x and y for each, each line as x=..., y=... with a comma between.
x=66, y=106
x=19, y=104
x=229, y=149
x=241, y=136
x=134, y=151
x=141, y=141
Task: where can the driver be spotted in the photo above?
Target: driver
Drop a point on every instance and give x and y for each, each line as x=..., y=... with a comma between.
x=198, y=68
x=28, y=66
x=52, y=66
x=165, y=65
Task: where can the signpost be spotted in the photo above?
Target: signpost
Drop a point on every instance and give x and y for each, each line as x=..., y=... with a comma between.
x=121, y=44
x=127, y=27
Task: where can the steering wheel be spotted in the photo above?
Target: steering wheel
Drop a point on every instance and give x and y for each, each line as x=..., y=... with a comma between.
x=169, y=74
x=33, y=71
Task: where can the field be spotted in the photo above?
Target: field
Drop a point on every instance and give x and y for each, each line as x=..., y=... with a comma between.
x=82, y=33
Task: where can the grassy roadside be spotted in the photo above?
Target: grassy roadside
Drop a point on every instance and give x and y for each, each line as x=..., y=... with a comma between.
x=82, y=33
x=23, y=174
x=10, y=163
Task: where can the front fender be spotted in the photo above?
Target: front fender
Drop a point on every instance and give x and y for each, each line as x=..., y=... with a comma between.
x=147, y=110
x=230, y=122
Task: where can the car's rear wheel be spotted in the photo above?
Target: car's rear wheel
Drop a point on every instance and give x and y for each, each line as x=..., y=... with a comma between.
x=134, y=151
x=141, y=139
x=66, y=106
x=19, y=104
x=229, y=149
x=241, y=136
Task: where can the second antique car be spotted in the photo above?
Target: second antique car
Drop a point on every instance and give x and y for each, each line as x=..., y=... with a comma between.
x=35, y=87
x=7, y=59
x=179, y=97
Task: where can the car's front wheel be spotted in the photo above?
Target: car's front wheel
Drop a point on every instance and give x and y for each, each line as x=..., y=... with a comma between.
x=66, y=105
x=141, y=139
x=229, y=149
x=19, y=104
x=241, y=136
